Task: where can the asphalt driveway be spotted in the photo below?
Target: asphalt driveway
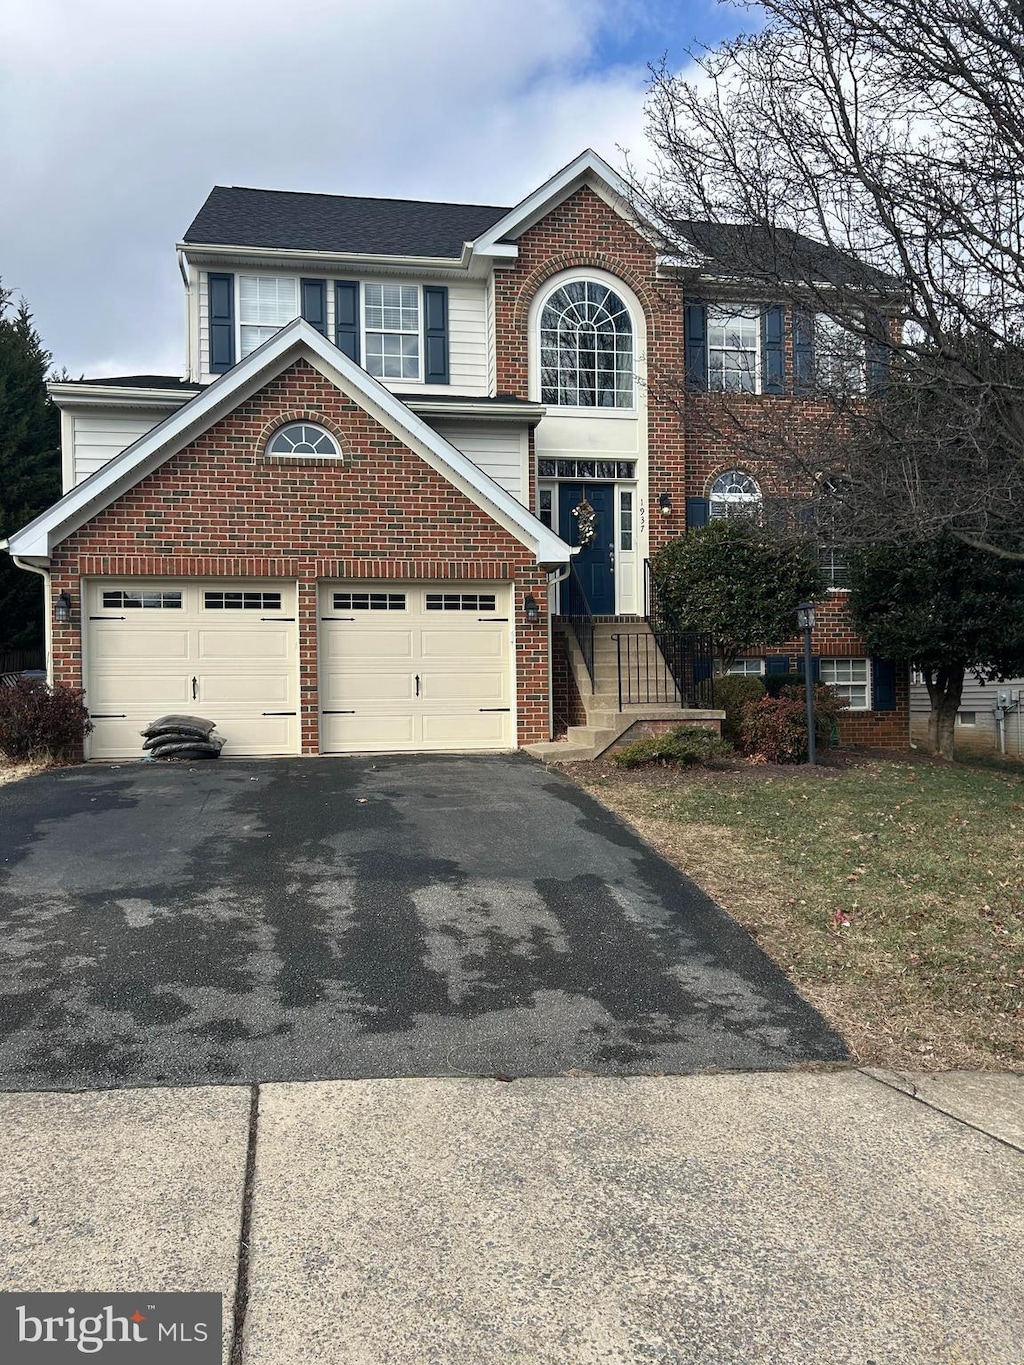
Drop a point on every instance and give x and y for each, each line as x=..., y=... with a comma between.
x=332, y=918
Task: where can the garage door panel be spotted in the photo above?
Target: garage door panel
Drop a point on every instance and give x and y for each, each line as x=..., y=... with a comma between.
x=247, y=690
x=468, y=730
x=131, y=642
x=484, y=643
x=274, y=642
x=353, y=686
x=470, y=685
x=144, y=666
x=365, y=731
x=122, y=689
x=356, y=643
x=370, y=667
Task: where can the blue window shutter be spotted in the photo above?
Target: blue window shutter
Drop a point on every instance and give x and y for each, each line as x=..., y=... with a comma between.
x=702, y=668
x=778, y=663
x=314, y=303
x=698, y=511
x=221, y=294
x=773, y=349
x=815, y=667
x=695, y=323
x=346, y=317
x=876, y=356
x=883, y=685
x=803, y=351
x=435, y=334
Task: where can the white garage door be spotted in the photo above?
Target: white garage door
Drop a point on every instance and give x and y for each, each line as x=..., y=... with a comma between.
x=223, y=650
x=415, y=667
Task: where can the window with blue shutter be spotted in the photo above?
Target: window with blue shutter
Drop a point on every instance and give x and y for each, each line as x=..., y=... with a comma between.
x=778, y=663
x=695, y=323
x=435, y=334
x=698, y=512
x=314, y=303
x=221, y=297
x=877, y=354
x=346, y=318
x=803, y=351
x=773, y=349
x=883, y=685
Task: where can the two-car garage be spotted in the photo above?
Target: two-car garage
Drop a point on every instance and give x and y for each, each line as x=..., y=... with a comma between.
x=410, y=667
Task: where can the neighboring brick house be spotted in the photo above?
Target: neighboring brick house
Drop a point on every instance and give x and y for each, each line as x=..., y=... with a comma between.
x=345, y=529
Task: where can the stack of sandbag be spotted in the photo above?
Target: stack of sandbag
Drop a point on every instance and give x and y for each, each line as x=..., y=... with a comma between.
x=182, y=737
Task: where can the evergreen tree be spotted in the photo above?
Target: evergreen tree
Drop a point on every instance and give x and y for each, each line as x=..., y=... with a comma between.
x=29, y=464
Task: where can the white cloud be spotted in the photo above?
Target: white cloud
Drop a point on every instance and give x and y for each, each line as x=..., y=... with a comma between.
x=118, y=117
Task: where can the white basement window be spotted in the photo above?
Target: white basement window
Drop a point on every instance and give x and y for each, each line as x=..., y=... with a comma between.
x=849, y=678
x=746, y=668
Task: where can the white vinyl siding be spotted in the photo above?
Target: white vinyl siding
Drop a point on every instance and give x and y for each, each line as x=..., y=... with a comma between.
x=265, y=304
x=977, y=700
x=97, y=436
x=848, y=677
x=500, y=451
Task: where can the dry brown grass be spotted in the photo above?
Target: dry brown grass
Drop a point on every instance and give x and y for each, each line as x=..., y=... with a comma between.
x=925, y=862
x=13, y=772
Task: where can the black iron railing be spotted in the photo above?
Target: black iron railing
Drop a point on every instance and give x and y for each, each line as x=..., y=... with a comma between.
x=688, y=656
x=574, y=608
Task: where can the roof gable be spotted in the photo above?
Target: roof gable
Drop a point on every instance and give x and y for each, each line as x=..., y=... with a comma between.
x=297, y=340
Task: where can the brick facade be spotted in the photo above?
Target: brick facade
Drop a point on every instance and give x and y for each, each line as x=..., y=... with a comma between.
x=219, y=509
x=688, y=441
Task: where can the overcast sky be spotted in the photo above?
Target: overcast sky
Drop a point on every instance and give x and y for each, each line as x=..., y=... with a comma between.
x=118, y=116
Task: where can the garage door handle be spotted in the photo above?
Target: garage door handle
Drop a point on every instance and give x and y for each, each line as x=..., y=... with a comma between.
x=495, y=708
x=337, y=618
x=417, y=684
x=107, y=715
x=195, y=688
x=277, y=618
x=279, y=713
x=338, y=713
x=108, y=618
x=492, y=618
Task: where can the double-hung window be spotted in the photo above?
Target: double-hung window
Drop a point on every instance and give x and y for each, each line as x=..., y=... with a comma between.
x=848, y=677
x=265, y=304
x=392, y=330
x=839, y=359
x=733, y=350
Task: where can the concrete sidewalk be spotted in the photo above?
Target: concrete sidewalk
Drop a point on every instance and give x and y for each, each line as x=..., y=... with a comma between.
x=833, y=1218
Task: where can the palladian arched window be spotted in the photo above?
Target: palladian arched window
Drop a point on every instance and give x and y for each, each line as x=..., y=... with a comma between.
x=586, y=348
x=735, y=494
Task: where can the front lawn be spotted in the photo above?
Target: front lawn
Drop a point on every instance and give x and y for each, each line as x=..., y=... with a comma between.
x=890, y=891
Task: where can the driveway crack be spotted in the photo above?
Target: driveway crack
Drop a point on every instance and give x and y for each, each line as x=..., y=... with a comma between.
x=241, y=1301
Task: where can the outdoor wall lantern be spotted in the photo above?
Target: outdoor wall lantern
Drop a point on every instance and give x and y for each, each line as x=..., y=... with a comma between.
x=805, y=621
x=62, y=609
x=665, y=505
x=531, y=609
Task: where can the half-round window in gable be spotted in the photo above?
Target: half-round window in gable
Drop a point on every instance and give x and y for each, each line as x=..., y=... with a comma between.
x=304, y=439
x=735, y=494
x=586, y=348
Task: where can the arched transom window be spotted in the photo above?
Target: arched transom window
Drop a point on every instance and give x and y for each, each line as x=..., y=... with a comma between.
x=586, y=348
x=734, y=494
x=303, y=438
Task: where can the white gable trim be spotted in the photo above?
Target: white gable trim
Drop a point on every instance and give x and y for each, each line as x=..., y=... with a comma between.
x=298, y=340
x=587, y=169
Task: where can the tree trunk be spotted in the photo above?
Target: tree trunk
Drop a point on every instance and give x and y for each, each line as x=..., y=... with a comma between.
x=945, y=687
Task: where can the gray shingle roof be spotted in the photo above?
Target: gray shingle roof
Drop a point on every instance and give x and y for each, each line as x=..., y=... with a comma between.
x=337, y=222
x=140, y=381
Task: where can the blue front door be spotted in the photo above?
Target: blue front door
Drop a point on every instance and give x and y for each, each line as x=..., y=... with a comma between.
x=595, y=563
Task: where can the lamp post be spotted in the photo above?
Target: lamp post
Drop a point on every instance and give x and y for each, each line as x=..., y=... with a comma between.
x=805, y=621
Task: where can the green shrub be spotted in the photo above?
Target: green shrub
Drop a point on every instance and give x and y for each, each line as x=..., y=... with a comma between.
x=687, y=745
x=37, y=721
x=776, y=683
x=732, y=694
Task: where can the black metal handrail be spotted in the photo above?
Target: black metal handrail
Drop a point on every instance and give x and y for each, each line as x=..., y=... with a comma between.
x=575, y=609
x=689, y=656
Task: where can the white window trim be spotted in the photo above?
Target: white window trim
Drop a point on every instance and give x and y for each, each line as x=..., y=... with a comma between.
x=850, y=658
x=729, y=673
x=827, y=326
x=336, y=453
x=541, y=302
x=732, y=311
x=742, y=500
x=363, y=330
x=253, y=275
